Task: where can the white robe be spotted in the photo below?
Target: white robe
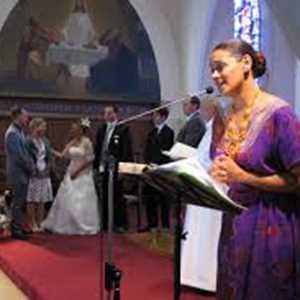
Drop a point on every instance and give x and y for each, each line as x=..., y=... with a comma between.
x=79, y=32
x=199, y=250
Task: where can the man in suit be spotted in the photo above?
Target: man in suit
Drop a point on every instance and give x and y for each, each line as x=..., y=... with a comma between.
x=112, y=139
x=19, y=167
x=193, y=130
x=160, y=138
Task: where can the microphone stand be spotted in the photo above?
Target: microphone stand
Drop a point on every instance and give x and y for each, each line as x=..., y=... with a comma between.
x=112, y=273
x=208, y=90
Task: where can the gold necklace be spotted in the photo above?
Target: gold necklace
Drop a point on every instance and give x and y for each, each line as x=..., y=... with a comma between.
x=236, y=128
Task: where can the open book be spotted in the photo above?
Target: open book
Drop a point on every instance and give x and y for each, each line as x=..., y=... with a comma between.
x=190, y=179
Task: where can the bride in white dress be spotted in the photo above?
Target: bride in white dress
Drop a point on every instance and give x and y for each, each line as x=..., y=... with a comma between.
x=75, y=208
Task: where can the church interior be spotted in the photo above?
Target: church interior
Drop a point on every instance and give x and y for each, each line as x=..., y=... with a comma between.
x=77, y=66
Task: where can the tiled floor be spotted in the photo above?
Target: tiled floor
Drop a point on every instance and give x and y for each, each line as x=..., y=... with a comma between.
x=8, y=290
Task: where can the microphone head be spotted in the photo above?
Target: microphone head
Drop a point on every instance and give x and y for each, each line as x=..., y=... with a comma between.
x=209, y=90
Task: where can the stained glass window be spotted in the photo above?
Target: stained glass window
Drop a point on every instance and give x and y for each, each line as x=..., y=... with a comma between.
x=247, y=21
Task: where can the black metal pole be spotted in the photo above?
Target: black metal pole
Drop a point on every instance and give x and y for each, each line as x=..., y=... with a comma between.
x=112, y=273
x=177, y=250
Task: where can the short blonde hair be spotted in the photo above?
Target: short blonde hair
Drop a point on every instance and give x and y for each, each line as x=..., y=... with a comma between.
x=36, y=122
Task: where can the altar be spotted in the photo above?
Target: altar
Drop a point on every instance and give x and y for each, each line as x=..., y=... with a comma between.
x=64, y=53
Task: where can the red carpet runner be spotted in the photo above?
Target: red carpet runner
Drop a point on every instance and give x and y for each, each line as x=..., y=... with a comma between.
x=52, y=267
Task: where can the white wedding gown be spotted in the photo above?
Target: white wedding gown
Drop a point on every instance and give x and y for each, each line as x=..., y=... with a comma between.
x=75, y=208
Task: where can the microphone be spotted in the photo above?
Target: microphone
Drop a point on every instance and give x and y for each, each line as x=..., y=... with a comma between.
x=208, y=90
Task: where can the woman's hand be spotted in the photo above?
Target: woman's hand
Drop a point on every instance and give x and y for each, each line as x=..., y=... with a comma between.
x=75, y=172
x=56, y=153
x=74, y=175
x=226, y=170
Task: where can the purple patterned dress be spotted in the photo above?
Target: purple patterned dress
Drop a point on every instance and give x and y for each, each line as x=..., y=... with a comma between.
x=259, y=249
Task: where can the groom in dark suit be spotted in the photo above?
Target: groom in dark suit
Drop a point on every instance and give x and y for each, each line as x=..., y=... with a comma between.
x=160, y=138
x=122, y=150
x=193, y=130
x=19, y=167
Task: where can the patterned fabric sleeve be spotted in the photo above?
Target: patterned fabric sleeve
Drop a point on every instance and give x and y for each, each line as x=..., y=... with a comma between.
x=287, y=137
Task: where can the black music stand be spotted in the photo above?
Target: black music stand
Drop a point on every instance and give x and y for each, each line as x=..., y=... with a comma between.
x=181, y=189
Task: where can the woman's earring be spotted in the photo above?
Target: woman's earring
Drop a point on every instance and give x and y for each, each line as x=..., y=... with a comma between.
x=246, y=69
x=246, y=72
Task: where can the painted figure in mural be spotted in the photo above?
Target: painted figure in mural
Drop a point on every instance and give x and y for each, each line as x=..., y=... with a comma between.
x=79, y=32
x=81, y=52
x=119, y=71
x=33, y=35
x=32, y=52
x=256, y=151
x=34, y=62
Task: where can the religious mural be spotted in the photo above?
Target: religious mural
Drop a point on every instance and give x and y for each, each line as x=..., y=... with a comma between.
x=77, y=49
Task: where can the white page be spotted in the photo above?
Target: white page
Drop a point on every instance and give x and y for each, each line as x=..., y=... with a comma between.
x=191, y=170
x=180, y=151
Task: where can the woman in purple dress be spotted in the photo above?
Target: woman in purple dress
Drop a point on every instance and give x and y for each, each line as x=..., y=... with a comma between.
x=256, y=151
